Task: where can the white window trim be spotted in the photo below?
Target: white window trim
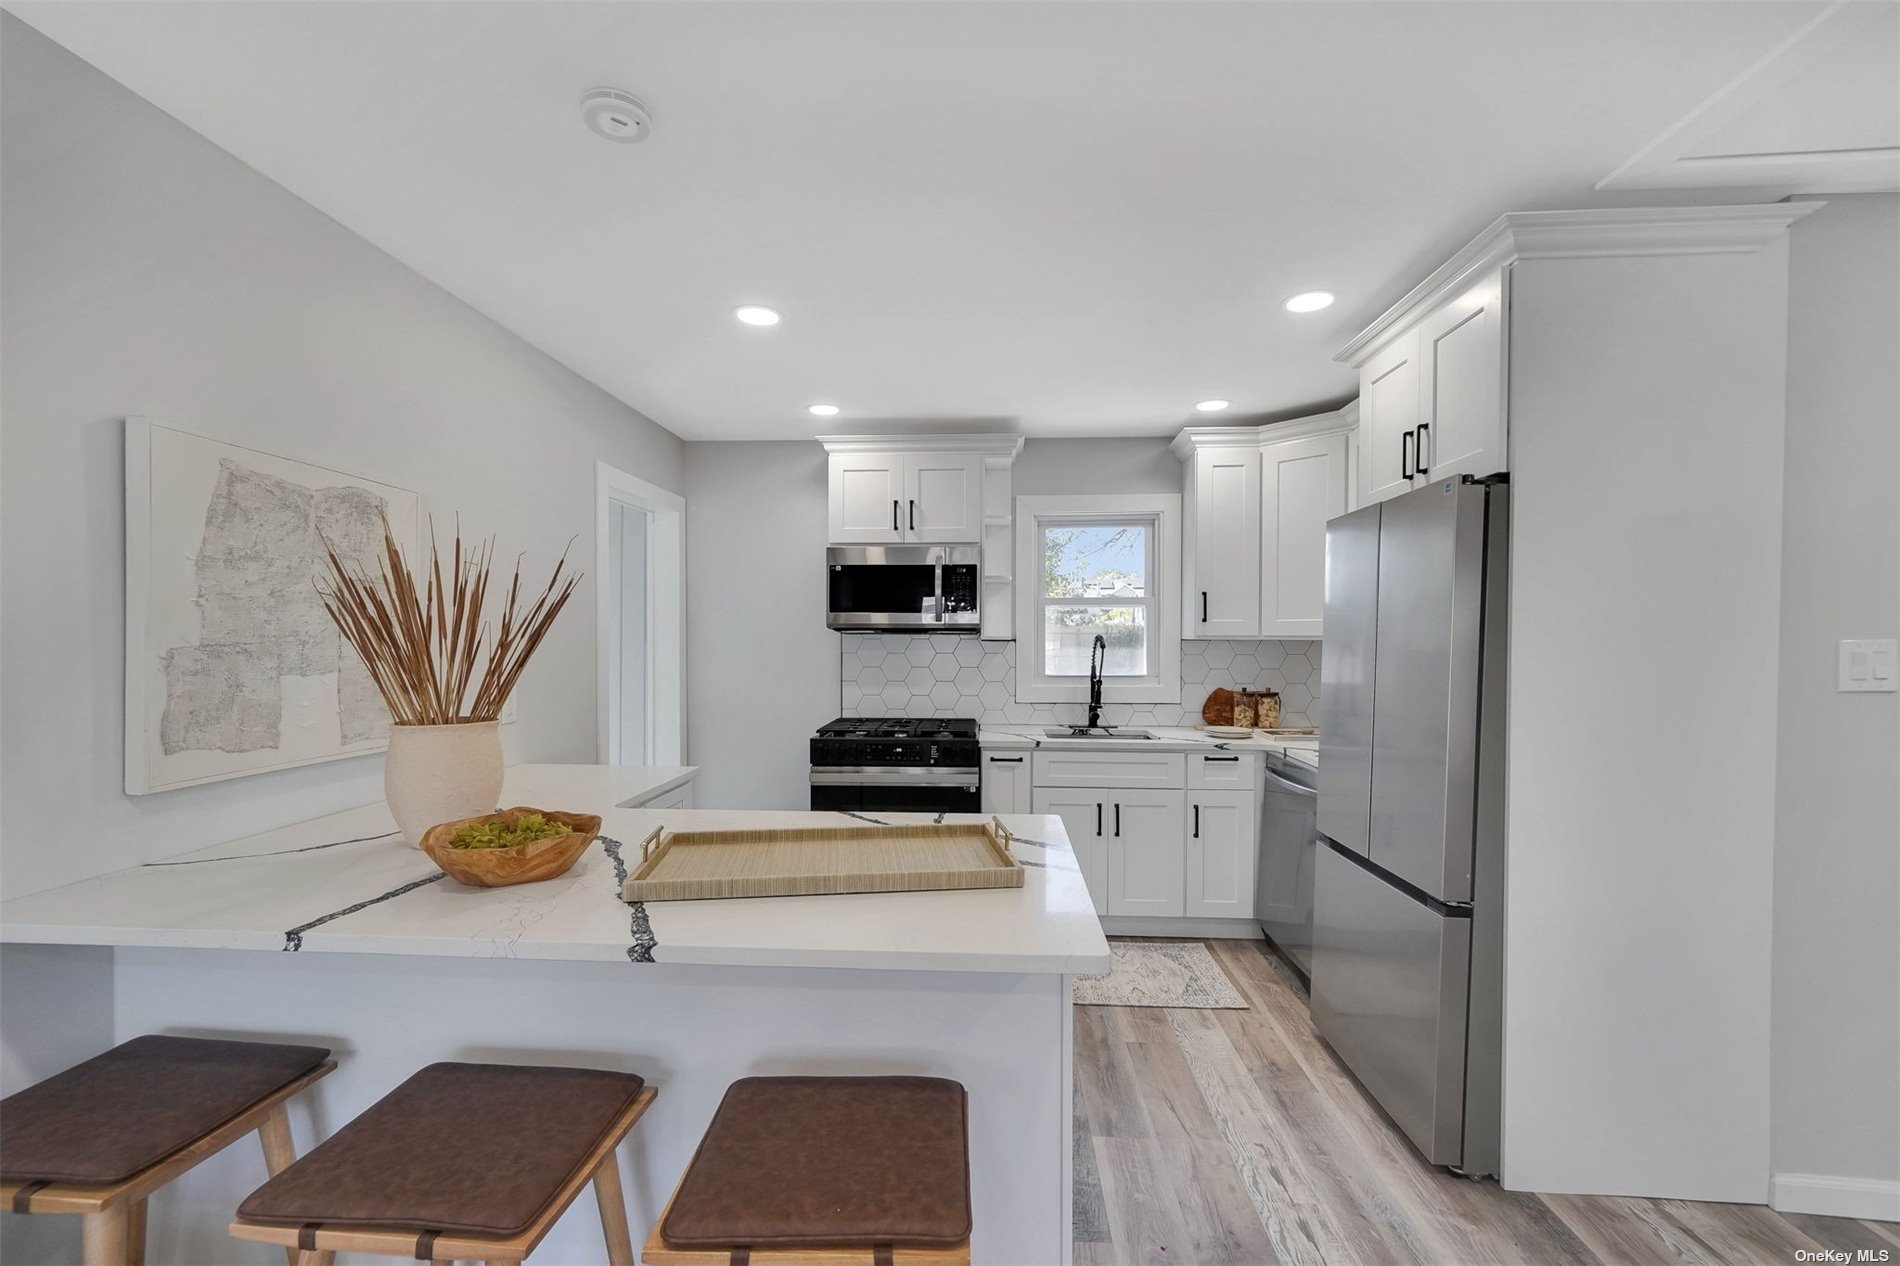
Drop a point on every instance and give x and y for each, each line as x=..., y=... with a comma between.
x=666, y=614
x=1031, y=513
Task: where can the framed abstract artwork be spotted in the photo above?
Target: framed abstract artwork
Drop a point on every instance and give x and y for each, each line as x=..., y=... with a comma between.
x=232, y=667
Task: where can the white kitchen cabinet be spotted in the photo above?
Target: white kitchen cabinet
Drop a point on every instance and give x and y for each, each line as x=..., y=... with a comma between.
x=1220, y=854
x=1222, y=771
x=1257, y=500
x=1006, y=787
x=1084, y=813
x=1069, y=767
x=1388, y=420
x=866, y=499
x=943, y=498
x=893, y=497
x=1146, y=852
x=1431, y=397
x=1303, y=484
x=1461, y=385
x=1221, y=556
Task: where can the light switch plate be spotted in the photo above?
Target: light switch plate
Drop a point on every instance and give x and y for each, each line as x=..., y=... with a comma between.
x=1870, y=664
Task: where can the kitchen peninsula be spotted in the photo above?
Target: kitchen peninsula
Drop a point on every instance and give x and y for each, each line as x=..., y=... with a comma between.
x=334, y=932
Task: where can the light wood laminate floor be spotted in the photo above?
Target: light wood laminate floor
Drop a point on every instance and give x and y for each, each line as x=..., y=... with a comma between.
x=1235, y=1137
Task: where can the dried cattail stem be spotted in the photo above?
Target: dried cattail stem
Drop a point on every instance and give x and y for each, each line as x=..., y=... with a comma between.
x=429, y=650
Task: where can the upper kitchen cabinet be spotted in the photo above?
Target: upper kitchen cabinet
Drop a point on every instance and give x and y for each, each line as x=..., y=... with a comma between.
x=1221, y=554
x=1431, y=385
x=943, y=498
x=886, y=490
x=866, y=499
x=1303, y=483
x=1257, y=502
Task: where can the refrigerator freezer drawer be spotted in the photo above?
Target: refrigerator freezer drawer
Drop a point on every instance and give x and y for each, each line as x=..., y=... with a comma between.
x=1390, y=984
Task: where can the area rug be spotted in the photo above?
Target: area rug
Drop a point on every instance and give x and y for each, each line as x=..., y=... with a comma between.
x=1160, y=974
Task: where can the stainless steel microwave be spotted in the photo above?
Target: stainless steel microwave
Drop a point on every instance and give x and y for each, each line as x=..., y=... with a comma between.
x=891, y=587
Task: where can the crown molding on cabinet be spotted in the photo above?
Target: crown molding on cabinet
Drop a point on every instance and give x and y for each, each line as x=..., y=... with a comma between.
x=1617, y=231
x=1004, y=446
x=1193, y=438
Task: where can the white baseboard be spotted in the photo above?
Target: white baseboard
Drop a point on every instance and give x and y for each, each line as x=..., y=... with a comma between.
x=1212, y=929
x=1835, y=1197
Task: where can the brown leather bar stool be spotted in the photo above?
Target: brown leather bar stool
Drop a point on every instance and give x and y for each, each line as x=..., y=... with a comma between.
x=101, y=1137
x=825, y=1171
x=460, y=1162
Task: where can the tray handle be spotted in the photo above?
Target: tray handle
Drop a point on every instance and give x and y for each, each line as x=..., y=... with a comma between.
x=646, y=845
x=1003, y=837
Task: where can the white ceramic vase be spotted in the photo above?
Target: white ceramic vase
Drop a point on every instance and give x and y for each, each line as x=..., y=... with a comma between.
x=438, y=773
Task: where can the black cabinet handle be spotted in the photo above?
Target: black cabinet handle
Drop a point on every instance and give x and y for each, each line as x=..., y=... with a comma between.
x=1006, y=760
x=1197, y=821
x=913, y=516
x=1118, y=821
x=1424, y=432
x=1233, y=759
x=893, y=516
x=1203, y=606
x=1406, y=470
x=1098, y=819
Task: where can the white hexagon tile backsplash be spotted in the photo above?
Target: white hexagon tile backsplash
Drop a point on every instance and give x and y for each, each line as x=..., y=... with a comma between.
x=956, y=675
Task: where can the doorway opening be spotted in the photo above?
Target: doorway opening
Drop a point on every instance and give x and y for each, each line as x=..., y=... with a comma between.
x=639, y=559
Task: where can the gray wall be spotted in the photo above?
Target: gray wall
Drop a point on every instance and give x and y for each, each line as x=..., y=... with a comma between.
x=1836, y=1061
x=761, y=667
x=148, y=272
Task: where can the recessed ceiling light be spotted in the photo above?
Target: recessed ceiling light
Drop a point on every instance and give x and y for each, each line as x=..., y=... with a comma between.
x=1213, y=406
x=1310, y=301
x=822, y=410
x=753, y=314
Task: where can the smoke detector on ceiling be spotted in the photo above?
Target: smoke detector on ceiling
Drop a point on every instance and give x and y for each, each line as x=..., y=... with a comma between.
x=616, y=115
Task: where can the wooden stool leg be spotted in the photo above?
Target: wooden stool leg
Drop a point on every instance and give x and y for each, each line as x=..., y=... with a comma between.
x=135, y=1232
x=313, y=1257
x=613, y=1211
x=104, y=1236
x=279, y=1152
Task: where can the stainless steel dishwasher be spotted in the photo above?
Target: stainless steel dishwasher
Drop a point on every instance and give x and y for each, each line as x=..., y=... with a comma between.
x=1283, y=893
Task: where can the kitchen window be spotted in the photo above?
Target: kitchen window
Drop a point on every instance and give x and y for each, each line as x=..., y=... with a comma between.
x=1097, y=566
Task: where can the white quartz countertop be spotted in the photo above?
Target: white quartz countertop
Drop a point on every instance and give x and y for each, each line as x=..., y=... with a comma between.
x=347, y=883
x=1300, y=747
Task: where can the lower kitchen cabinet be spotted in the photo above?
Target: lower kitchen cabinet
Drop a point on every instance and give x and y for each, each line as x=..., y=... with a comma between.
x=1220, y=855
x=1084, y=815
x=1146, y=844
x=1157, y=852
x=1006, y=783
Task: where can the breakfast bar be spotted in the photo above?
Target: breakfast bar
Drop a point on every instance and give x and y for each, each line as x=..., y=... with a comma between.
x=335, y=933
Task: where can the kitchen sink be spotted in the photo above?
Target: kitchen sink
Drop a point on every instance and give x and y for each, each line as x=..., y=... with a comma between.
x=1064, y=731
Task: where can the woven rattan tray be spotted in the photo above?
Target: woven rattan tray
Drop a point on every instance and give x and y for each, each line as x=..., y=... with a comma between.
x=807, y=861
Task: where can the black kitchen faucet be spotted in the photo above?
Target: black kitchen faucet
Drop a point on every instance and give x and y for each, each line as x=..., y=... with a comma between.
x=1098, y=660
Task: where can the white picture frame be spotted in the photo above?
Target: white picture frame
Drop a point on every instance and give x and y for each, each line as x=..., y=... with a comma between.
x=172, y=478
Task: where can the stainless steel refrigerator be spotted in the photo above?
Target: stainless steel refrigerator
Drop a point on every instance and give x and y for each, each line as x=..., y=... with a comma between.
x=1407, y=974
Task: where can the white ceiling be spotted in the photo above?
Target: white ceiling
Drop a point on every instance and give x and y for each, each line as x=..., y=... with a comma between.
x=1062, y=218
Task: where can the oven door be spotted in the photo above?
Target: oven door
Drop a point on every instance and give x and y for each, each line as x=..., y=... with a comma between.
x=871, y=587
x=871, y=789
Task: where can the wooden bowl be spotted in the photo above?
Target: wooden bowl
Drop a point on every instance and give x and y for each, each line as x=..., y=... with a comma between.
x=524, y=863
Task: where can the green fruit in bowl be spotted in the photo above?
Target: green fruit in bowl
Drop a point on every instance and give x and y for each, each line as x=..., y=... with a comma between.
x=527, y=828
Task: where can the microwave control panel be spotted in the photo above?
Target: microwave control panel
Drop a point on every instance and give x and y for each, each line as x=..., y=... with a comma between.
x=959, y=589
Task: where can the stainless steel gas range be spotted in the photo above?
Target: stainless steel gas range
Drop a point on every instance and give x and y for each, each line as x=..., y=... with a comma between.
x=896, y=765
